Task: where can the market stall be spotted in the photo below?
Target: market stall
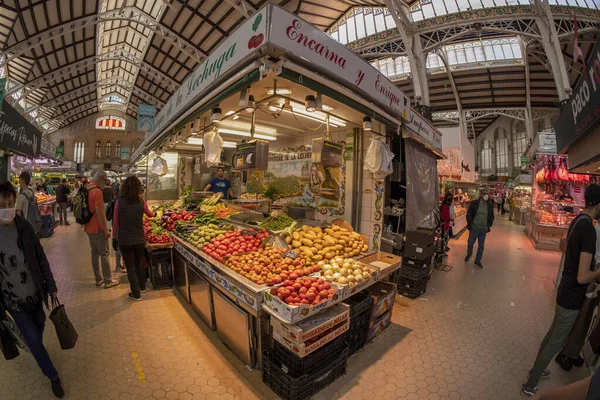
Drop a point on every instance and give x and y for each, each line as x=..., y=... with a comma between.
x=286, y=111
x=522, y=198
x=464, y=193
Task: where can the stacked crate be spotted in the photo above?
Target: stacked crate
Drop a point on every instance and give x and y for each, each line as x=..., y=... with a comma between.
x=383, y=297
x=412, y=277
x=360, y=317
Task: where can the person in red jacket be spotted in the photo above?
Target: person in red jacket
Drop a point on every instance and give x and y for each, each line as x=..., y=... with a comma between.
x=447, y=219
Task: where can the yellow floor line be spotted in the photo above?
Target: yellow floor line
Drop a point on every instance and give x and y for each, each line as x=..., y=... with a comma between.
x=138, y=366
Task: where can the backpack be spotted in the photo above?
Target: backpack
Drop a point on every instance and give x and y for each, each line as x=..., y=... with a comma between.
x=110, y=210
x=34, y=217
x=81, y=210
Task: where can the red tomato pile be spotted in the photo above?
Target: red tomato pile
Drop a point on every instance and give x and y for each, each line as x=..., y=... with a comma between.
x=233, y=243
x=147, y=226
x=307, y=290
x=168, y=221
x=153, y=238
x=269, y=266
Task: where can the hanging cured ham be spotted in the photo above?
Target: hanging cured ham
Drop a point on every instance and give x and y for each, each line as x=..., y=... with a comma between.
x=563, y=173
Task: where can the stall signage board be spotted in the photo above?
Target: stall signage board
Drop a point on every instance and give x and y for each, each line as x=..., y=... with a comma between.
x=524, y=162
x=249, y=37
x=145, y=119
x=306, y=42
x=18, y=134
x=425, y=130
x=60, y=152
x=47, y=149
x=582, y=111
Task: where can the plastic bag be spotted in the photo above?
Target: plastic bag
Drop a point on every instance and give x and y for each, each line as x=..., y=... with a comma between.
x=159, y=166
x=213, y=146
x=378, y=159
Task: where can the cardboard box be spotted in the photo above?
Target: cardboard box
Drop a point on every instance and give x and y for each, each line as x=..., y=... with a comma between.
x=384, y=296
x=379, y=325
x=420, y=244
x=386, y=262
x=304, y=349
x=312, y=326
x=292, y=314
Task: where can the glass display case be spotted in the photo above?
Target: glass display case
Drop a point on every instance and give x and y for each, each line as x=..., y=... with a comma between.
x=549, y=223
x=464, y=193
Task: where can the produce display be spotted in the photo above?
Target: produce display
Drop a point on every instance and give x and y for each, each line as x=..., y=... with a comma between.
x=347, y=271
x=326, y=244
x=233, y=243
x=169, y=218
x=270, y=265
x=154, y=239
x=206, y=219
x=278, y=221
x=213, y=200
x=201, y=235
x=306, y=290
x=251, y=196
x=220, y=210
x=41, y=197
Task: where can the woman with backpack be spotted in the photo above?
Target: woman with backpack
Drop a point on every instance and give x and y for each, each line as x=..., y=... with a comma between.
x=128, y=232
x=26, y=205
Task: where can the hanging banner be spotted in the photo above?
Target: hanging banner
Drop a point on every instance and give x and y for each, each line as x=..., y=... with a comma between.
x=125, y=153
x=17, y=134
x=2, y=90
x=145, y=118
x=60, y=152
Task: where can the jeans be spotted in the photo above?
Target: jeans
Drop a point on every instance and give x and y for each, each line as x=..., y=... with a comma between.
x=62, y=211
x=133, y=256
x=553, y=341
x=476, y=234
x=31, y=325
x=118, y=257
x=99, y=245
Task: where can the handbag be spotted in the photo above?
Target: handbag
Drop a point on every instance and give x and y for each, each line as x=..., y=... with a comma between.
x=67, y=335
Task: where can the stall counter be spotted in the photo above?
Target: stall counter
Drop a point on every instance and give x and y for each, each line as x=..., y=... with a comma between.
x=546, y=237
x=460, y=223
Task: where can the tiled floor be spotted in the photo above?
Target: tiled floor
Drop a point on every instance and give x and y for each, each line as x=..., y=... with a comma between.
x=472, y=336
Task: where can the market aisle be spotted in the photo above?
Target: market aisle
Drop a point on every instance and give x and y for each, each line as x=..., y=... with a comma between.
x=473, y=336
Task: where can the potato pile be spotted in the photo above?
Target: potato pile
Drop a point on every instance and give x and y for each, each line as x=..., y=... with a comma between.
x=326, y=244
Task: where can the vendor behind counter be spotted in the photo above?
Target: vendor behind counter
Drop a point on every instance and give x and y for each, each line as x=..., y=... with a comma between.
x=220, y=184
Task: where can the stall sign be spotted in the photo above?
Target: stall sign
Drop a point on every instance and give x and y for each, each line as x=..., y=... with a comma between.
x=60, y=152
x=145, y=118
x=524, y=162
x=249, y=37
x=307, y=42
x=47, y=148
x=582, y=111
x=425, y=130
x=18, y=134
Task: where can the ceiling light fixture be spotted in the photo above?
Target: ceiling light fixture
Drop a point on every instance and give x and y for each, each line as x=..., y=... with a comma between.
x=245, y=134
x=310, y=103
x=274, y=106
x=325, y=107
x=279, y=90
x=251, y=104
x=242, y=100
x=216, y=115
x=367, y=124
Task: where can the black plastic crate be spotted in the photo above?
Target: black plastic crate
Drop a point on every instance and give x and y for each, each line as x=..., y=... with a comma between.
x=407, y=283
x=359, y=302
x=358, y=332
x=305, y=386
x=412, y=293
x=160, y=268
x=414, y=273
x=295, y=366
x=411, y=262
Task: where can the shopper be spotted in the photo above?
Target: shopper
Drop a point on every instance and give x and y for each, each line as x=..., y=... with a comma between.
x=128, y=230
x=584, y=389
x=480, y=218
x=25, y=281
x=118, y=256
x=577, y=273
x=26, y=201
x=98, y=232
x=513, y=204
x=446, y=220
x=219, y=184
x=62, y=198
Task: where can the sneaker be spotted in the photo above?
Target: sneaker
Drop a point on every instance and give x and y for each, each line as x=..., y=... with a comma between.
x=479, y=264
x=467, y=258
x=99, y=283
x=529, y=391
x=546, y=374
x=578, y=362
x=564, y=362
x=134, y=298
x=57, y=388
x=109, y=284
x=143, y=290
x=120, y=269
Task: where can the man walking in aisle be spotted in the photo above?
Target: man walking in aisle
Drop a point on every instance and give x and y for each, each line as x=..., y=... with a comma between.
x=62, y=198
x=480, y=218
x=577, y=273
x=98, y=232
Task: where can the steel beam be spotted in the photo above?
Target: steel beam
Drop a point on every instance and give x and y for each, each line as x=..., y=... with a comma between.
x=243, y=7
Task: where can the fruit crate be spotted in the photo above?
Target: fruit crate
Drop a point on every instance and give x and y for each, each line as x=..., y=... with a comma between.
x=358, y=303
x=411, y=288
x=160, y=268
x=307, y=385
x=294, y=366
x=359, y=330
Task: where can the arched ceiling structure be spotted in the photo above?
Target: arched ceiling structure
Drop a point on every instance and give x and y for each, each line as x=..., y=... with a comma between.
x=68, y=59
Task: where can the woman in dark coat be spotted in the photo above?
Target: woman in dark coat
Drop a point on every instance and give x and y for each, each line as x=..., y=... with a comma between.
x=26, y=281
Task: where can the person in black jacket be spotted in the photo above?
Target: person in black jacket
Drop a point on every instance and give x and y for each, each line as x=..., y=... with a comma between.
x=62, y=198
x=480, y=218
x=25, y=281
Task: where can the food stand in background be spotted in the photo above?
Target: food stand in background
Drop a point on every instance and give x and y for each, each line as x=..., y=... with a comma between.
x=464, y=193
x=522, y=192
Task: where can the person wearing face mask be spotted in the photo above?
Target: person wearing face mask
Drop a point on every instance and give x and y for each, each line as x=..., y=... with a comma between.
x=480, y=218
x=26, y=281
x=578, y=272
x=98, y=231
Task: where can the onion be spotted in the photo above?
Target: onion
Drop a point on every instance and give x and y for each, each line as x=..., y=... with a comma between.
x=359, y=278
x=327, y=267
x=358, y=272
x=321, y=263
x=339, y=260
x=336, y=268
x=366, y=275
x=346, y=265
x=336, y=275
x=342, y=280
x=351, y=278
x=344, y=272
x=328, y=272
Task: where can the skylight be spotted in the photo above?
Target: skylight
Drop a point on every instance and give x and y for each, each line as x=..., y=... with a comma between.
x=114, y=100
x=362, y=22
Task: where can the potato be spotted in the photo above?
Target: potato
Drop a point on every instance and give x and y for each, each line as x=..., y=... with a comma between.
x=296, y=236
x=338, y=247
x=302, y=248
x=348, y=249
x=288, y=239
x=321, y=252
x=320, y=235
x=317, y=257
x=354, y=244
x=330, y=255
x=296, y=244
x=355, y=252
x=318, y=241
x=316, y=229
x=307, y=242
x=365, y=248
x=329, y=231
x=308, y=252
x=335, y=228
x=305, y=228
x=318, y=246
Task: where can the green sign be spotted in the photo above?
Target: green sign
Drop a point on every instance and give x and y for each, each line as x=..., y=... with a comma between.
x=60, y=152
x=2, y=90
x=524, y=161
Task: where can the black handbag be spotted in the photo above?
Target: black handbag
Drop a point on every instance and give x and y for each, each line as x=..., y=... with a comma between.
x=8, y=346
x=67, y=335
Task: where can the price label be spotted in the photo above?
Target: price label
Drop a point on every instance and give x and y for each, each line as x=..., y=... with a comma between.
x=291, y=254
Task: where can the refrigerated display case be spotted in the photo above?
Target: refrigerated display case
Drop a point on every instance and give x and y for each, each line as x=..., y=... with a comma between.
x=549, y=223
